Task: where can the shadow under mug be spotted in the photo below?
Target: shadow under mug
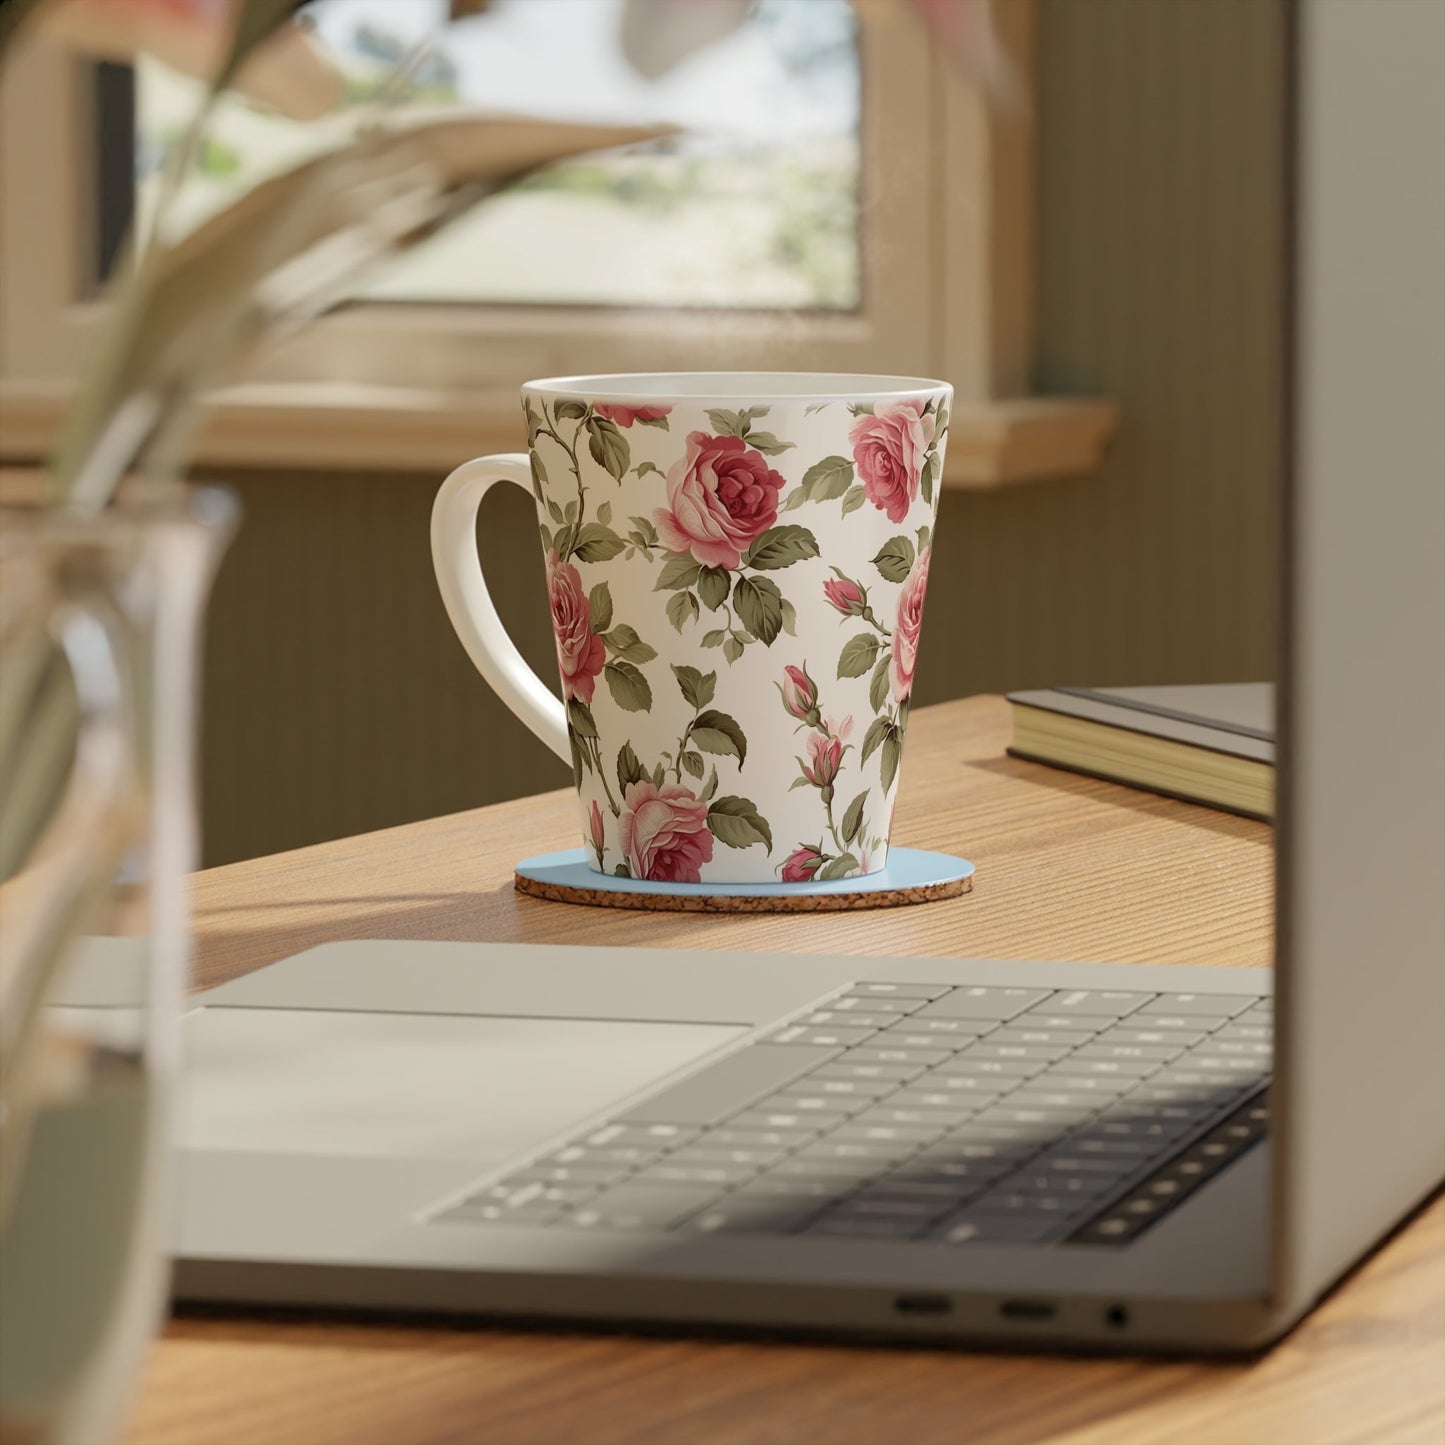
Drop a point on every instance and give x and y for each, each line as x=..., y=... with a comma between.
x=736, y=568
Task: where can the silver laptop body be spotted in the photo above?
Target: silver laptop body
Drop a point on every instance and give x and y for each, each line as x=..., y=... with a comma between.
x=1053, y=1152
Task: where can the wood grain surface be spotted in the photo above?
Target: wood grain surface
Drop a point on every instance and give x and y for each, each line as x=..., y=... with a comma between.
x=1067, y=868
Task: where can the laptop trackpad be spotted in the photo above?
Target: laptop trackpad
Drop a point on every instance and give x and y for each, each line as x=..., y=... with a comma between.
x=434, y=1086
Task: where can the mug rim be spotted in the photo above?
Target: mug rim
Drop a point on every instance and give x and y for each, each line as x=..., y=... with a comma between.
x=735, y=386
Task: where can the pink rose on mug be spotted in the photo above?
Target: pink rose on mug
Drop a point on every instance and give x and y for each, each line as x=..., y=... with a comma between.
x=580, y=652
x=908, y=628
x=664, y=833
x=722, y=497
x=626, y=415
x=889, y=449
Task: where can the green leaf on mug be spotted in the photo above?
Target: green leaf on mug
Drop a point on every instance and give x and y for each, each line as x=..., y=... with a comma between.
x=760, y=607
x=877, y=731
x=895, y=559
x=853, y=498
x=941, y=425
x=931, y=469
x=534, y=422
x=697, y=687
x=571, y=410
x=780, y=547
x=712, y=587
x=716, y=732
x=581, y=719
x=790, y=618
x=861, y=408
x=925, y=538
x=642, y=469
x=727, y=423
x=767, y=443
x=682, y=607
x=596, y=543
x=539, y=476
x=693, y=763
x=837, y=868
x=629, y=769
x=853, y=818
x=644, y=527
x=892, y=755
x=706, y=795
x=714, y=638
x=677, y=573
x=628, y=686
x=657, y=421
x=604, y=514
x=623, y=642
x=622, y=871
x=878, y=687
x=608, y=446
x=599, y=602
x=857, y=655
x=815, y=406
x=578, y=758
x=732, y=649
x=555, y=512
x=737, y=822
x=827, y=479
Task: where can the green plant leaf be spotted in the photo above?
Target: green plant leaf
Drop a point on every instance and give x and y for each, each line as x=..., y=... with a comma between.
x=767, y=443
x=657, y=421
x=728, y=423
x=925, y=538
x=623, y=642
x=579, y=759
x=596, y=543
x=931, y=468
x=892, y=755
x=534, y=422
x=570, y=409
x=861, y=408
x=697, y=687
x=815, y=406
x=604, y=514
x=716, y=732
x=629, y=769
x=780, y=547
x=941, y=425
x=682, y=608
x=622, y=871
x=737, y=822
x=539, y=477
x=629, y=688
x=677, y=573
x=857, y=655
x=790, y=618
x=895, y=559
x=828, y=479
x=647, y=530
x=873, y=738
x=837, y=868
x=555, y=512
x=853, y=498
x=580, y=716
x=732, y=649
x=760, y=607
x=712, y=587
x=599, y=601
x=608, y=446
x=878, y=686
x=706, y=795
x=693, y=763
x=853, y=818
x=659, y=775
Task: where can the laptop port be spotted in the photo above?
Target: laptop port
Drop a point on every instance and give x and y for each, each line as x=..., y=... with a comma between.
x=1027, y=1309
x=1117, y=1317
x=923, y=1304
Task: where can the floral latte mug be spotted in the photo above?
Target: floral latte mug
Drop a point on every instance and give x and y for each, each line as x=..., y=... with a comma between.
x=736, y=565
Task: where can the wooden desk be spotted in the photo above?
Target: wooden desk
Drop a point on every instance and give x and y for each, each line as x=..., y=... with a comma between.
x=1067, y=868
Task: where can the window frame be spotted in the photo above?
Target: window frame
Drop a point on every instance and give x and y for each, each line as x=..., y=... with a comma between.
x=946, y=184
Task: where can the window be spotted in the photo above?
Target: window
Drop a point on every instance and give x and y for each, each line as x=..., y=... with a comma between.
x=758, y=210
x=860, y=210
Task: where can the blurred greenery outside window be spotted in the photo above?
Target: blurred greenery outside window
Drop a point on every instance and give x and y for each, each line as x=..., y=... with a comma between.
x=756, y=207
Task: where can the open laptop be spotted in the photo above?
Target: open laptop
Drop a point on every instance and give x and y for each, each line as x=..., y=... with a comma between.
x=1143, y=1157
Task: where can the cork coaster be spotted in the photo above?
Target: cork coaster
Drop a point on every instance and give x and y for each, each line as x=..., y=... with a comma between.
x=912, y=876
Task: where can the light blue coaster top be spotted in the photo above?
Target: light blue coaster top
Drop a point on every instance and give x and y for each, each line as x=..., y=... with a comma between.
x=908, y=868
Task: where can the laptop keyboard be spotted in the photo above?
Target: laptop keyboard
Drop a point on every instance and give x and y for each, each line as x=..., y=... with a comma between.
x=923, y=1111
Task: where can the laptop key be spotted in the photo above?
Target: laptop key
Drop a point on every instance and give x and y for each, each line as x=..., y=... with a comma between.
x=961, y=1030
x=983, y=1003
x=742, y=1213
x=837, y=1037
x=642, y=1206
x=966, y=1228
x=1215, y=1005
x=875, y=1053
x=862, y=1226
x=793, y=1121
x=901, y=990
x=727, y=1086
x=854, y=1002
x=1097, y=1003
x=832, y=1017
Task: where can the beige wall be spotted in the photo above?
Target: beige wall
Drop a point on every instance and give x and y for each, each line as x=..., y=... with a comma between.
x=339, y=701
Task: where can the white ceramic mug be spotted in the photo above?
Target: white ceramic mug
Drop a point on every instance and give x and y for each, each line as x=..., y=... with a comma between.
x=736, y=565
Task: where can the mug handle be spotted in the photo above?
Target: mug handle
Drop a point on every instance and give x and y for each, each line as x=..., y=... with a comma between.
x=469, y=604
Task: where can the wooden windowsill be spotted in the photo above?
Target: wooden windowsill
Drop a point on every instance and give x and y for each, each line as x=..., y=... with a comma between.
x=345, y=427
